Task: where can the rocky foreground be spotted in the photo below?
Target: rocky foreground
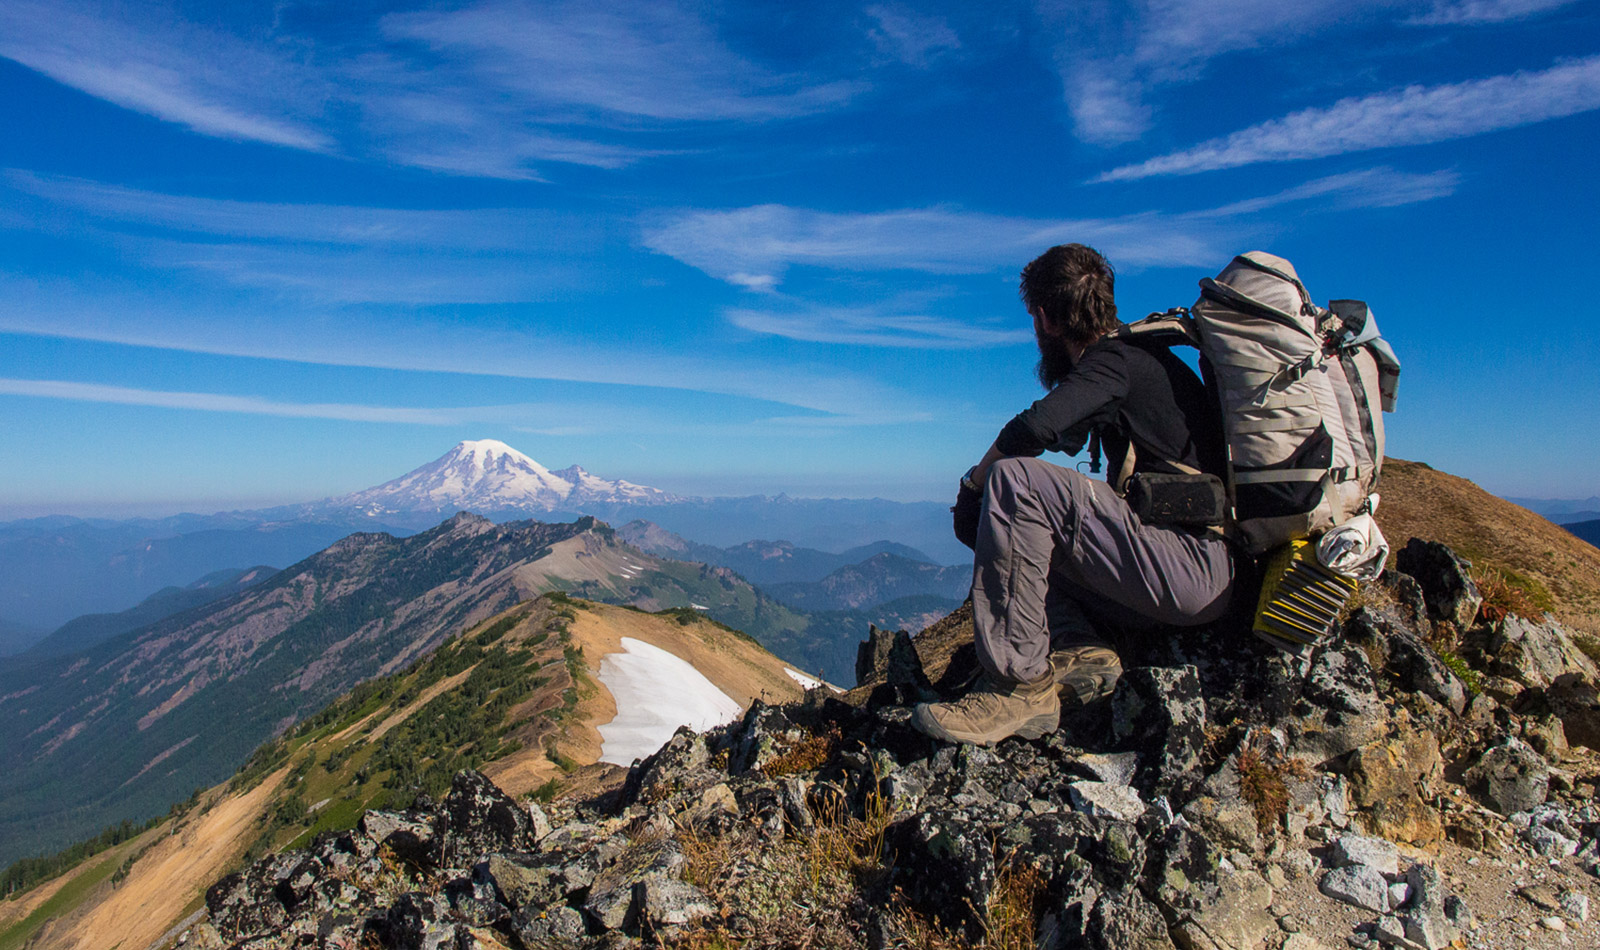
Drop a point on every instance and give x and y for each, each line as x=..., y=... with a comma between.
x=1423, y=779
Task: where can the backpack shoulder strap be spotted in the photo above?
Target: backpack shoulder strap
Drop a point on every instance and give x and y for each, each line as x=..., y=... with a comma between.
x=1164, y=328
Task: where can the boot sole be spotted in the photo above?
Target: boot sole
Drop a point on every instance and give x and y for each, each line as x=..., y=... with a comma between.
x=1035, y=728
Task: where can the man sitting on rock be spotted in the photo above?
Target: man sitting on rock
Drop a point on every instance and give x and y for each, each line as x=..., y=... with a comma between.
x=1054, y=548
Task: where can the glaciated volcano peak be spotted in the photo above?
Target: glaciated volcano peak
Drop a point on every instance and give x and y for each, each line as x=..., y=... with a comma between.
x=488, y=475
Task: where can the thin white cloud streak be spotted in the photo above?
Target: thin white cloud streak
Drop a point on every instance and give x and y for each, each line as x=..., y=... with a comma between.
x=476, y=229
x=873, y=326
x=494, y=89
x=1112, y=55
x=991, y=243
x=553, y=419
x=912, y=38
x=329, y=253
x=218, y=402
x=394, y=344
x=1415, y=115
x=752, y=246
x=209, y=82
x=654, y=61
x=1453, y=12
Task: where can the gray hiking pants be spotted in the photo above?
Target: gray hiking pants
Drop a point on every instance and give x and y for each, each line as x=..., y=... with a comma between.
x=1049, y=535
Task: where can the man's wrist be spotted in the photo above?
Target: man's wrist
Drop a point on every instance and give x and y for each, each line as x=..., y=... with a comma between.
x=969, y=482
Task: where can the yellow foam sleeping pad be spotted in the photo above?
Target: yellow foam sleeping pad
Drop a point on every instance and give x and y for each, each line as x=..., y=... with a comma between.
x=1300, y=598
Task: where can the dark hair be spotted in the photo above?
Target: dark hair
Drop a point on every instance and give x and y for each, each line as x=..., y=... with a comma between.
x=1073, y=285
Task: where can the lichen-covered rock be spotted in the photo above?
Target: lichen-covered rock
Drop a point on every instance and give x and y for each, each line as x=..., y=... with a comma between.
x=1234, y=916
x=1536, y=654
x=409, y=836
x=1446, y=580
x=1160, y=712
x=957, y=860
x=1339, y=706
x=478, y=818
x=421, y=922
x=1511, y=776
x=664, y=901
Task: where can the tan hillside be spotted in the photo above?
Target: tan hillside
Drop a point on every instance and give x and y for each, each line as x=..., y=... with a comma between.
x=524, y=682
x=1553, y=565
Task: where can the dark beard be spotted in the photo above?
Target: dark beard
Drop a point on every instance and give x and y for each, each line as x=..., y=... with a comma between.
x=1055, y=362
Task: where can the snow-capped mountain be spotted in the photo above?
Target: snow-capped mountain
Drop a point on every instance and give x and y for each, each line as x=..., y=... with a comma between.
x=486, y=475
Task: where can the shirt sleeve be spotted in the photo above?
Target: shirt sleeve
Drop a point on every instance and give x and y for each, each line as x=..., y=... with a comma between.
x=1090, y=394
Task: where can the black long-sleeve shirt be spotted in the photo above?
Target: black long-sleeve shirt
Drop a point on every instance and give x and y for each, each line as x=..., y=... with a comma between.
x=1125, y=389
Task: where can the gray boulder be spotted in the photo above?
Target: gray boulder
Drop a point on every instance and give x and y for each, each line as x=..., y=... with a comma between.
x=1446, y=580
x=1536, y=654
x=1160, y=712
x=1357, y=885
x=1511, y=776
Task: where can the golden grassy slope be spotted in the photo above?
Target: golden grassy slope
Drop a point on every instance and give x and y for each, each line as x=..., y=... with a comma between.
x=326, y=766
x=1493, y=533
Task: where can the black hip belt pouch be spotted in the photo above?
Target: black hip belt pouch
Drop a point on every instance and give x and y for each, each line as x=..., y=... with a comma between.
x=1196, y=501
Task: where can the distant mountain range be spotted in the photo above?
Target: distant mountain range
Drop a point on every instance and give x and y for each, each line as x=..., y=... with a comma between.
x=1587, y=530
x=764, y=563
x=137, y=720
x=879, y=579
x=55, y=569
x=1562, y=510
x=91, y=629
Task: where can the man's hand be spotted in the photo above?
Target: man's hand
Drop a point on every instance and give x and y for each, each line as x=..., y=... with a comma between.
x=980, y=472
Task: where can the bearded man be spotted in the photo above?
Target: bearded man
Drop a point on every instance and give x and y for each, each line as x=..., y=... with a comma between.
x=1058, y=556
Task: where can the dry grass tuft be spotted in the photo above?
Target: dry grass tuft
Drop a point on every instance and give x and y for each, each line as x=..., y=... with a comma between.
x=1010, y=921
x=707, y=859
x=1503, y=597
x=807, y=755
x=1263, y=782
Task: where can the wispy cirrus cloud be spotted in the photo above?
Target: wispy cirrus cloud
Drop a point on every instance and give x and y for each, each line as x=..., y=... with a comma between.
x=753, y=247
x=208, y=81
x=492, y=89
x=877, y=325
x=1112, y=55
x=1415, y=115
x=913, y=38
x=465, y=229
x=586, y=60
x=1451, y=12
x=565, y=418
x=220, y=402
x=327, y=253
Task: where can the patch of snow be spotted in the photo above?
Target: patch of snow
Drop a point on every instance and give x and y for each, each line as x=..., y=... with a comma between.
x=805, y=681
x=699, y=606
x=656, y=692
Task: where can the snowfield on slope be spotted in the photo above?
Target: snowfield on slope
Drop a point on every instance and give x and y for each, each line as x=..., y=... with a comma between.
x=655, y=692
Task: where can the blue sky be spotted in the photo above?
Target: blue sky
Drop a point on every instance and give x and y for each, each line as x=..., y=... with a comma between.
x=263, y=253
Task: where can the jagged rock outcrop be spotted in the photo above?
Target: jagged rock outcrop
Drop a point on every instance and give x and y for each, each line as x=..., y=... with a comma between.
x=1217, y=777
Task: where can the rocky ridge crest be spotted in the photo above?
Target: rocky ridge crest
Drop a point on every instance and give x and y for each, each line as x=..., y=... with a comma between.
x=1374, y=792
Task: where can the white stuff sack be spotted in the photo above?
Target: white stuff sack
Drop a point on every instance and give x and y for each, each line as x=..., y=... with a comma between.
x=1356, y=548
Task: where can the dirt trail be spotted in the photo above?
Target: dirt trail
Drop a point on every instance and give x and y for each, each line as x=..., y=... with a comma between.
x=167, y=878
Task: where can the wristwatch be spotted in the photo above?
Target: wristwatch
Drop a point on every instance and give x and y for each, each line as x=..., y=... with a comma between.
x=969, y=483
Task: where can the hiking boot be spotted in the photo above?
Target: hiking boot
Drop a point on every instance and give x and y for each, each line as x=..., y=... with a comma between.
x=992, y=710
x=1085, y=673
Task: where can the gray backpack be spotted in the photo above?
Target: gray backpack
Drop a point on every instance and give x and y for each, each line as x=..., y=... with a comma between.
x=1302, y=391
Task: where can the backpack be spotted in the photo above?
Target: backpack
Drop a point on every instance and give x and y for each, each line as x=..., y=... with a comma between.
x=1302, y=391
